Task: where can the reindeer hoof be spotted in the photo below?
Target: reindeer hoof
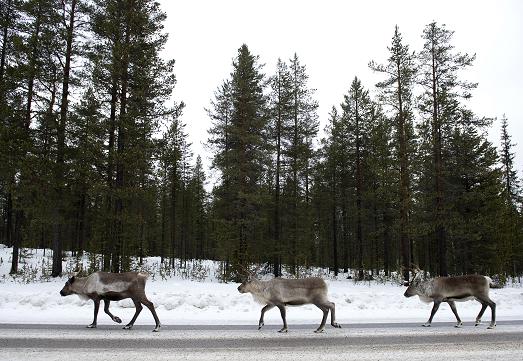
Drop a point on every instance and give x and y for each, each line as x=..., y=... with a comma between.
x=92, y=325
x=478, y=322
x=283, y=330
x=127, y=327
x=156, y=329
x=117, y=319
x=336, y=325
x=319, y=330
x=260, y=325
x=426, y=325
x=458, y=325
x=491, y=327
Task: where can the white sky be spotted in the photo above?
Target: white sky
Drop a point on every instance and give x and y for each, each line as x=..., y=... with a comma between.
x=336, y=40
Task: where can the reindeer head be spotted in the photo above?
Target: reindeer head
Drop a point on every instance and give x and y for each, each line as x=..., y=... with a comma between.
x=68, y=288
x=244, y=287
x=413, y=285
x=249, y=278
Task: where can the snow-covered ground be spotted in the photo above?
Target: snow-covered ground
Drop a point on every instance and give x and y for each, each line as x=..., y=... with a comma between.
x=180, y=299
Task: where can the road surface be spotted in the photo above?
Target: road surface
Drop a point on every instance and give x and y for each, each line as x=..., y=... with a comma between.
x=352, y=342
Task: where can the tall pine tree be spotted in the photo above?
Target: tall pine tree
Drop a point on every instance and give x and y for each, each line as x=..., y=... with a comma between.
x=241, y=160
x=397, y=94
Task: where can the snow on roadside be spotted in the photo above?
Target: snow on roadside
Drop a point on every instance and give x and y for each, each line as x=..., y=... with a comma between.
x=182, y=301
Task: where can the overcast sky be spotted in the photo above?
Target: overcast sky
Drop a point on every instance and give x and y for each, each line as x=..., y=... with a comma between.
x=336, y=40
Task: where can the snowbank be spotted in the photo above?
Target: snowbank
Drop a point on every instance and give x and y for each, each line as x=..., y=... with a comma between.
x=182, y=301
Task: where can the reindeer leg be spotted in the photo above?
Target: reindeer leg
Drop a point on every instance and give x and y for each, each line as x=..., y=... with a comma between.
x=139, y=308
x=486, y=301
x=452, y=305
x=492, y=306
x=332, y=307
x=106, y=310
x=96, y=308
x=481, y=312
x=325, y=310
x=434, y=310
x=263, y=310
x=283, y=317
x=150, y=306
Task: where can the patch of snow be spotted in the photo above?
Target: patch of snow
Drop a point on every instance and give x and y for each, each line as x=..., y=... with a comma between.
x=180, y=300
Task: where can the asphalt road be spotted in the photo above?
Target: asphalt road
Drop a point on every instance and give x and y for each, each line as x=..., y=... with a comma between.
x=352, y=342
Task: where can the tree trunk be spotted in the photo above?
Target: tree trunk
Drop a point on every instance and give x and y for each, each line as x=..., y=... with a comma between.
x=277, y=224
x=334, y=223
x=294, y=248
x=59, y=176
x=359, y=185
x=404, y=183
x=440, y=231
x=387, y=223
x=32, y=68
x=19, y=213
x=17, y=241
x=9, y=220
x=3, y=56
x=81, y=222
x=108, y=239
x=173, y=214
x=346, y=238
x=117, y=254
x=163, y=228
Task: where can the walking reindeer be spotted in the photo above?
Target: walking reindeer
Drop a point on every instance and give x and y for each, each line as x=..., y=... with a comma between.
x=281, y=292
x=451, y=290
x=112, y=287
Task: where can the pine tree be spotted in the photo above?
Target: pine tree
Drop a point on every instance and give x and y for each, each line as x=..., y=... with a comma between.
x=303, y=128
x=473, y=185
x=242, y=165
x=202, y=249
x=280, y=104
x=220, y=144
x=36, y=78
x=10, y=14
x=329, y=184
x=512, y=188
x=69, y=18
x=357, y=111
x=174, y=159
x=439, y=68
x=513, y=200
x=396, y=93
x=136, y=83
x=383, y=195
x=87, y=159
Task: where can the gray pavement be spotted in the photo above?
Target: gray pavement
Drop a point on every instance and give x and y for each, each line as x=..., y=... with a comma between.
x=353, y=342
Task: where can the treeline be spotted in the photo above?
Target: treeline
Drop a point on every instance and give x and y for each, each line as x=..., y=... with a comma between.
x=95, y=156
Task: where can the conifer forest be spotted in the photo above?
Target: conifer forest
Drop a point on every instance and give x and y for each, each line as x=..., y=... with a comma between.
x=95, y=155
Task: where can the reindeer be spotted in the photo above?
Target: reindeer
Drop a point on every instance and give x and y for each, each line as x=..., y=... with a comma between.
x=451, y=290
x=112, y=287
x=280, y=292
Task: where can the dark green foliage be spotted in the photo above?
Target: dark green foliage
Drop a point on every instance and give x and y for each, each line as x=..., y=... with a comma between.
x=396, y=93
x=83, y=174
x=442, y=115
x=292, y=128
x=94, y=156
x=510, y=226
x=240, y=154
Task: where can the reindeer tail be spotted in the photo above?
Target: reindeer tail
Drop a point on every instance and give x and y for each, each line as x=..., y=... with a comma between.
x=143, y=275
